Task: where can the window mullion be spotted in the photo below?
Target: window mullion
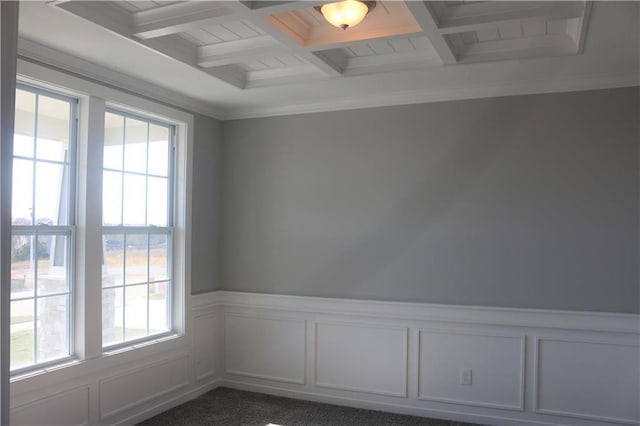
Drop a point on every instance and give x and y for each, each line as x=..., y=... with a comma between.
x=34, y=256
x=153, y=230
x=148, y=275
x=35, y=161
x=88, y=342
x=124, y=286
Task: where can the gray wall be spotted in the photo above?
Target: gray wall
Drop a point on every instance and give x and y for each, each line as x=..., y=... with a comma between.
x=205, y=234
x=527, y=201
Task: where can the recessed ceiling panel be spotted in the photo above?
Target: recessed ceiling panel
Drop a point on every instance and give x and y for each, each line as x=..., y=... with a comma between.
x=309, y=28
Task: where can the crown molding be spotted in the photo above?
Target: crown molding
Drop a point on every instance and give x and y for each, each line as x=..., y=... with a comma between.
x=523, y=87
x=35, y=52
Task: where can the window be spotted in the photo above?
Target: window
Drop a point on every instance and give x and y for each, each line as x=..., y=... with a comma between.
x=100, y=241
x=43, y=228
x=137, y=215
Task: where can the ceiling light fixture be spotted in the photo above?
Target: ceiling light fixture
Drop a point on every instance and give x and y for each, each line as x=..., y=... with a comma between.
x=346, y=14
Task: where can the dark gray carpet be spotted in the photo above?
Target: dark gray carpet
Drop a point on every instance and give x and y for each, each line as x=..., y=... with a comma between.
x=228, y=407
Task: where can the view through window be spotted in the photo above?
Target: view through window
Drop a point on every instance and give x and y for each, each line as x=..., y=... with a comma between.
x=137, y=228
x=138, y=185
x=42, y=227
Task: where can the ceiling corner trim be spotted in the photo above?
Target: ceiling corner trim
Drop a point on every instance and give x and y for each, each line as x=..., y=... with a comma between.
x=530, y=87
x=37, y=53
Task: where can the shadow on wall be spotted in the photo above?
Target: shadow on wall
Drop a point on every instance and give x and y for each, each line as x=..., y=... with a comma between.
x=421, y=207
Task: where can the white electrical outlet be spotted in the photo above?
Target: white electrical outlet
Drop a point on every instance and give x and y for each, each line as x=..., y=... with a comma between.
x=465, y=376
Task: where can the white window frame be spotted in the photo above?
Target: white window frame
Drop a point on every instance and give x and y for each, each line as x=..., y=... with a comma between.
x=68, y=229
x=94, y=99
x=168, y=230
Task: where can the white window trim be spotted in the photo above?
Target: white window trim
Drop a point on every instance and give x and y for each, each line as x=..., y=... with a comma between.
x=94, y=99
x=167, y=229
x=67, y=229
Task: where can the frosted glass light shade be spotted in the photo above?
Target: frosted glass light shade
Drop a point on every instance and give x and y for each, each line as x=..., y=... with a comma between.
x=344, y=14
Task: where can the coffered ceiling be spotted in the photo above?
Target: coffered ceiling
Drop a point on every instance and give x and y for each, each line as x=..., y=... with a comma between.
x=248, y=58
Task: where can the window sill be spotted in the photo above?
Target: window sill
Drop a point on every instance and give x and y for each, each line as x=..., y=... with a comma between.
x=37, y=371
x=130, y=346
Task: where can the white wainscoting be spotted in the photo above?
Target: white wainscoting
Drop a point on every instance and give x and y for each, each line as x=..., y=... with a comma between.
x=529, y=367
x=128, y=385
x=361, y=358
x=99, y=393
x=497, y=364
x=206, y=345
x=133, y=387
x=534, y=367
x=268, y=348
x=69, y=407
x=605, y=372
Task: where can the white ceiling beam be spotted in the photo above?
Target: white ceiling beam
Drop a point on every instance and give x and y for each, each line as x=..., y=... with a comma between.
x=476, y=16
x=177, y=49
x=259, y=13
x=180, y=17
x=264, y=7
x=56, y=2
x=396, y=61
x=362, y=42
x=104, y=14
x=427, y=19
x=324, y=64
x=498, y=50
x=232, y=52
x=231, y=74
x=101, y=13
x=181, y=51
x=334, y=58
x=282, y=76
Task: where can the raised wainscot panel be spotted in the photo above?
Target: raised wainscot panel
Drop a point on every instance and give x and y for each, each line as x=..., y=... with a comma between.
x=265, y=347
x=495, y=363
x=205, y=346
x=361, y=358
x=593, y=380
x=69, y=407
x=137, y=386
